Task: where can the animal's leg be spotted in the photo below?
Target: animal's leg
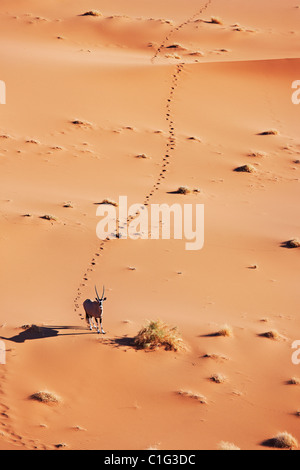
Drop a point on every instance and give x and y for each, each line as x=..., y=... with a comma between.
x=94, y=323
x=102, y=331
x=90, y=322
x=98, y=331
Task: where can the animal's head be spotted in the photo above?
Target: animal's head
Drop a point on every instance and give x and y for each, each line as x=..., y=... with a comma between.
x=100, y=300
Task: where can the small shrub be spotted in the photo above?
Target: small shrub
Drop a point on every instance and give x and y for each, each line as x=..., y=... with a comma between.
x=270, y=132
x=283, y=440
x=273, y=334
x=48, y=217
x=195, y=396
x=245, y=169
x=215, y=20
x=228, y=446
x=92, y=13
x=218, y=378
x=225, y=331
x=294, y=243
x=157, y=334
x=45, y=397
x=183, y=190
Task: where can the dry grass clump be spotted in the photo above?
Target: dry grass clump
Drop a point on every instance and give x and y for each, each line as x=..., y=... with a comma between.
x=273, y=334
x=283, y=440
x=92, y=13
x=142, y=156
x=79, y=123
x=294, y=381
x=157, y=334
x=108, y=202
x=257, y=153
x=269, y=132
x=215, y=20
x=228, y=446
x=218, y=378
x=48, y=217
x=245, y=169
x=183, y=190
x=225, y=331
x=294, y=243
x=45, y=397
x=193, y=395
x=215, y=357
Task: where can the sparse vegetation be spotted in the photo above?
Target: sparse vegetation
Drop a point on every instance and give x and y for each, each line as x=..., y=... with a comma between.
x=283, y=440
x=92, y=13
x=78, y=122
x=48, y=217
x=215, y=357
x=225, y=331
x=142, y=156
x=45, y=397
x=193, y=395
x=245, y=169
x=294, y=243
x=218, y=378
x=269, y=132
x=294, y=381
x=108, y=202
x=273, y=334
x=215, y=20
x=257, y=153
x=228, y=446
x=183, y=190
x=157, y=334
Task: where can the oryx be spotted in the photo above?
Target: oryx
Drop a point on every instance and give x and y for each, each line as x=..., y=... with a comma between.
x=95, y=310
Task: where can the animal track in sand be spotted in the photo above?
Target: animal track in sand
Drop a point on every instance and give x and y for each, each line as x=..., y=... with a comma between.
x=171, y=139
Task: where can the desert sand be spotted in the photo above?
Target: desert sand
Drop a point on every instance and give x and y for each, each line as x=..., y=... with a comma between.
x=86, y=95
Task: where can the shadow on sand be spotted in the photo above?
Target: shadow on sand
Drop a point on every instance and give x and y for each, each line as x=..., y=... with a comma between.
x=38, y=332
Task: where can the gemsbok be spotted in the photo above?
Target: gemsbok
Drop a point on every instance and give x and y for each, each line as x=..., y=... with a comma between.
x=95, y=310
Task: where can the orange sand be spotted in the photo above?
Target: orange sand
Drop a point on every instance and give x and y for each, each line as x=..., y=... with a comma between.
x=235, y=83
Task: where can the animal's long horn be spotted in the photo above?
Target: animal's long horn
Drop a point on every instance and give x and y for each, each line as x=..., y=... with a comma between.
x=97, y=293
x=103, y=292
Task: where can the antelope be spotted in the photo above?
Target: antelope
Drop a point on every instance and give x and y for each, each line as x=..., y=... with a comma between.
x=95, y=310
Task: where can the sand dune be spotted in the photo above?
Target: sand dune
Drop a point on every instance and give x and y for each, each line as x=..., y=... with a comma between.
x=194, y=99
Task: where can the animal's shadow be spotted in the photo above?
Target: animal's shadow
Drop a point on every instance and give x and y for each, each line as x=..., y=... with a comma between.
x=38, y=332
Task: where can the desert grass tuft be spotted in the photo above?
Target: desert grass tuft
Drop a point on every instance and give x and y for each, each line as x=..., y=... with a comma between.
x=48, y=217
x=227, y=446
x=45, y=397
x=283, y=440
x=215, y=20
x=218, y=378
x=294, y=243
x=294, y=381
x=92, y=13
x=183, y=190
x=193, y=395
x=245, y=169
x=225, y=331
x=273, y=334
x=108, y=202
x=269, y=132
x=157, y=334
